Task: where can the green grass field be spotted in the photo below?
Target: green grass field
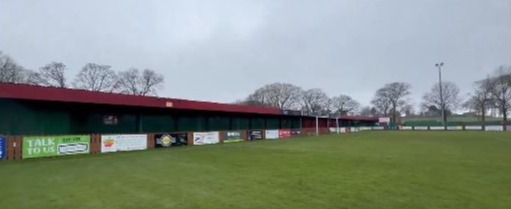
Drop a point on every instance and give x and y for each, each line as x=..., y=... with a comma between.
x=366, y=170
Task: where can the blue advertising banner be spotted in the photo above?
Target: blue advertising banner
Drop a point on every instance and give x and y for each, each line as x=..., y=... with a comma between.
x=3, y=149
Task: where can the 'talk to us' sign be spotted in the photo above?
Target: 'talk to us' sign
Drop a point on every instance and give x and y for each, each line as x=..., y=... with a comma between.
x=45, y=146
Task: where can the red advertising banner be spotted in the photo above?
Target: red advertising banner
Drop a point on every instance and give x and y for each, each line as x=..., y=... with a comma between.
x=284, y=134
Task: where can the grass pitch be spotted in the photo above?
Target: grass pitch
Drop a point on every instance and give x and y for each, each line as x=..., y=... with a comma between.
x=366, y=170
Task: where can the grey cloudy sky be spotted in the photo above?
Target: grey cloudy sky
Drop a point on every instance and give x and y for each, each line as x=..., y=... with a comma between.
x=222, y=50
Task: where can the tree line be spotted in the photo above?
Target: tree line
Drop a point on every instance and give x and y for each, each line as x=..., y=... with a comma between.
x=92, y=77
x=393, y=99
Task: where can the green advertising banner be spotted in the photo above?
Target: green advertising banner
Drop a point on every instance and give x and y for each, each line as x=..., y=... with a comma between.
x=47, y=146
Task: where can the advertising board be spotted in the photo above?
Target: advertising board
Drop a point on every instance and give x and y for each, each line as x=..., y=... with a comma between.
x=203, y=138
x=255, y=135
x=3, y=149
x=272, y=134
x=296, y=132
x=474, y=128
x=421, y=128
x=170, y=140
x=406, y=128
x=118, y=143
x=284, y=133
x=233, y=136
x=365, y=128
x=494, y=128
x=454, y=128
x=47, y=146
x=436, y=128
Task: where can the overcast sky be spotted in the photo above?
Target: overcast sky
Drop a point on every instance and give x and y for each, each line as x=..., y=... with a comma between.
x=223, y=50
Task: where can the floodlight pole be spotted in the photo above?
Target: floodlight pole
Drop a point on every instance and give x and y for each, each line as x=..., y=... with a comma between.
x=442, y=105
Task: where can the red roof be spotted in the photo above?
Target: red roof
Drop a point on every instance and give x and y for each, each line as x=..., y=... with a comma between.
x=39, y=93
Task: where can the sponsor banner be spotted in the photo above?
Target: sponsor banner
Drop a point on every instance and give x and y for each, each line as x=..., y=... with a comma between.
x=254, y=135
x=48, y=146
x=421, y=128
x=508, y=128
x=233, y=137
x=406, y=128
x=354, y=129
x=333, y=130
x=436, y=128
x=474, y=128
x=343, y=130
x=384, y=120
x=202, y=138
x=272, y=134
x=170, y=140
x=296, y=132
x=117, y=143
x=366, y=128
x=454, y=128
x=285, y=133
x=494, y=128
x=379, y=128
x=3, y=148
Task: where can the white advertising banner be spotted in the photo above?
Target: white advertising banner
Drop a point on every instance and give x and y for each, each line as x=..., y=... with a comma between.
x=366, y=128
x=333, y=130
x=343, y=130
x=354, y=129
x=117, y=143
x=202, y=138
x=421, y=128
x=379, y=128
x=454, y=128
x=406, y=128
x=272, y=134
x=474, y=128
x=437, y=128
x=494, y=128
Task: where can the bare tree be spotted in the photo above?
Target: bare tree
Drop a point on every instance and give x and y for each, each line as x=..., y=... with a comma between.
x=381, y=105
x=501, y=91
x=52, y=74
x=366, y=111
x=10, y=71
x=315, y=102
x=94, y=77
x=279, y=95
x=481, y=100
x=133, y=82
x=450, y=94
x=393, y=96
x=344, y=104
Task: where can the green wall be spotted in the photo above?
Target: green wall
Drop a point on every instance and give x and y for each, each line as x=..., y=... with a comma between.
x=44, y=118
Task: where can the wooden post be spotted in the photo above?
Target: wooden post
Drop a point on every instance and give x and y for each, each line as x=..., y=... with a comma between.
x=151, y=144
x=190, y=138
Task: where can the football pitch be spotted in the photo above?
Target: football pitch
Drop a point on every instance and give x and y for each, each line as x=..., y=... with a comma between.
x=364, y=170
